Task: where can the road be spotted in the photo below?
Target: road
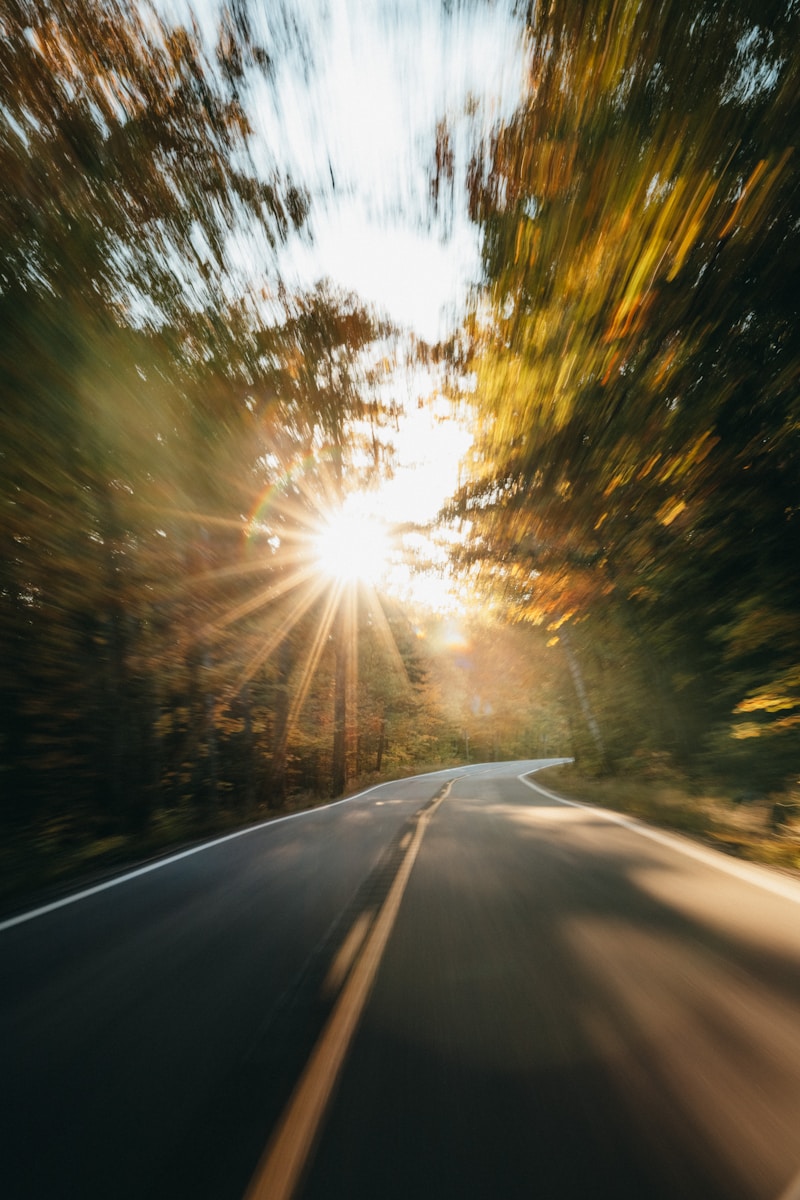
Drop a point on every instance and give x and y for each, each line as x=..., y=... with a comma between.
x=451, y=986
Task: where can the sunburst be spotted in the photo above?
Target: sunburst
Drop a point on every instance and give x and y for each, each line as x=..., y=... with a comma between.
x=353, y=545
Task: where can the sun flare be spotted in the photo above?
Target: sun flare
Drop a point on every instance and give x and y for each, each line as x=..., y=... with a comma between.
x=352, y=546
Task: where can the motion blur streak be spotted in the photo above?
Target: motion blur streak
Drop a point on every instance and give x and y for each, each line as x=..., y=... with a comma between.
x=516, y=282
x=286, y=1157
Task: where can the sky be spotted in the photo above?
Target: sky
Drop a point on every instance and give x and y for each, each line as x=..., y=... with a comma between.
x=350, y=113
x=358, y=130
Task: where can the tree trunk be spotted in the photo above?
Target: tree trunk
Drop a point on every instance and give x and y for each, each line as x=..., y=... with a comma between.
x=583, y=698
x=278, y=762
x=381, y=745
x=342, y=669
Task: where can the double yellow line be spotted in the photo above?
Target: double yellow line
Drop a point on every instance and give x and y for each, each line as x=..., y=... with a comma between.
x=285, y=1157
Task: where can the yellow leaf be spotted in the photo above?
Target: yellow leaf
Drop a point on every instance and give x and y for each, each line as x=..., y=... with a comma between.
x=670, y=510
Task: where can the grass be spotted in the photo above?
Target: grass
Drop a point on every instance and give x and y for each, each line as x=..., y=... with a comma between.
x=763, y=830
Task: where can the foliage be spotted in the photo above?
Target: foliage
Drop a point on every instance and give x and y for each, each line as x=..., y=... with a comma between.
x=635, y=350
x=169, y=433
x=173, y=423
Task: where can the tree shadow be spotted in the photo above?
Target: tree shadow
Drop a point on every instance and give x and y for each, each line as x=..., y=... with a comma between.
x=501, y=1057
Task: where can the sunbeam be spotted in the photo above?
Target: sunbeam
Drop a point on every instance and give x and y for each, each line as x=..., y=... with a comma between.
x=352, y=545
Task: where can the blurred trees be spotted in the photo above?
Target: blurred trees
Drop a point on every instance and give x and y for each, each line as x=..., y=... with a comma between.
x=636, y=352
x=172, y=425
x=498, y=692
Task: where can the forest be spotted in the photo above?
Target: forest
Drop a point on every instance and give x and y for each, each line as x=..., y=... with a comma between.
x=176, y=425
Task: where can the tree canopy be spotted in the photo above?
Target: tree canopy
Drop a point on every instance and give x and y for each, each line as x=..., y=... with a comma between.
x=636, y=352
x=173, y=422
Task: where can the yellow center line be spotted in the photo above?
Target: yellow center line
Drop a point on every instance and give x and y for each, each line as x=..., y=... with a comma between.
x=281, y=1166
x=346, y=953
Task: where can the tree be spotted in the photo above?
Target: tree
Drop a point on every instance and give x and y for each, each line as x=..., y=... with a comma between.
x=125, y=173
x=636, y=345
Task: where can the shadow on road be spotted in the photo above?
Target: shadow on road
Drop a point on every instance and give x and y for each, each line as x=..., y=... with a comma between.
x=544, y=1026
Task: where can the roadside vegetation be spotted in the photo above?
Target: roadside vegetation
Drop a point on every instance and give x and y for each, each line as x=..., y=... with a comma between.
x=42, y=862
x=760, y=828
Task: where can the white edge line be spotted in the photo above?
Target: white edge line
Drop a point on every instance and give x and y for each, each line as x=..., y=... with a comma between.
x=788, y=889
x=74, y=897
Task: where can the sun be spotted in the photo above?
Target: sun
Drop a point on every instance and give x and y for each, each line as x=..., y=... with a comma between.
x=352, y=544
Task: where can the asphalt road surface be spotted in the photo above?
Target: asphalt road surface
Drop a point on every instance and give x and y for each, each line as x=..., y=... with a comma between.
x=451, y=986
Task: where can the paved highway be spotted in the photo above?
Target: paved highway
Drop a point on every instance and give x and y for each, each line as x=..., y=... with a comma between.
x=471, y=990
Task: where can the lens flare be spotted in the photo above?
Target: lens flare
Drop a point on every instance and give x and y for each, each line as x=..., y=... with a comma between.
x=352, y=546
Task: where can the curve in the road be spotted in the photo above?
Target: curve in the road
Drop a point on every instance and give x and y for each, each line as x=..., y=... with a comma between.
x=785, y=886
